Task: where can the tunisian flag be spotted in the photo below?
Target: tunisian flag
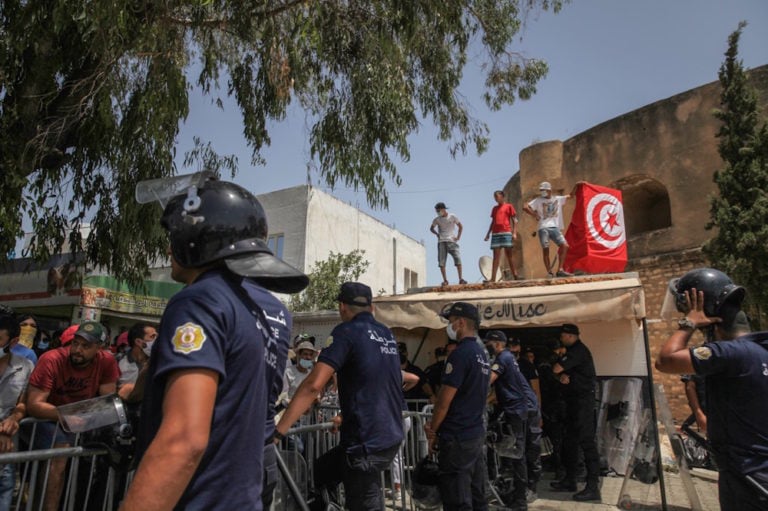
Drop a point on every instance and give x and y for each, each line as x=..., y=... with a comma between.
x=597, y=235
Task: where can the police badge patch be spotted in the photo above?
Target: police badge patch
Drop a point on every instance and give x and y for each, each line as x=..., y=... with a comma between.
x=702, y=353
x=188, y=337
x=448, y=368
x=495, y=367
x=329, y=341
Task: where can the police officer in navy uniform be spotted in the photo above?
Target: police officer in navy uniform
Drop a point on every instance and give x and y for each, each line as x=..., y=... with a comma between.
x=510, y=386
x=576, y=372
x=735, y=370
x=364, y=355
x=202, y=433
x=457, y=428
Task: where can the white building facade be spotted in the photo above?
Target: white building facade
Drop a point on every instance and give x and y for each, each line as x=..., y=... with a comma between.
x=306, y=224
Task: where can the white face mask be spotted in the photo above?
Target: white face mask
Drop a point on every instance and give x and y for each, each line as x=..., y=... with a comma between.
x=544, y=194
x=147, y=348
x=450, y=331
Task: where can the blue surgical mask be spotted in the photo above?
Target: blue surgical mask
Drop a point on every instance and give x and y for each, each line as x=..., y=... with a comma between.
x=306, y=364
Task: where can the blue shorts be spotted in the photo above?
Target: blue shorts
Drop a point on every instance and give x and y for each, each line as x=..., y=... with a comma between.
x=550, y=233
x=502, y=240
x=50, y=434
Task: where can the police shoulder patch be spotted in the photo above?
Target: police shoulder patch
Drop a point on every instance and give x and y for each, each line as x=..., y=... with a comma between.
x=329, y=341
x=188, y=337
x=495, y=367
x=448, y=368
x=702, y=353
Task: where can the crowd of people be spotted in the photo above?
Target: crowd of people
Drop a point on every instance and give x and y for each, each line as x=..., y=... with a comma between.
x=217, y=392
x=547, y=210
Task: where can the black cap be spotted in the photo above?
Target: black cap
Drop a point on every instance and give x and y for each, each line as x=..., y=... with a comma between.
x=555, y=344
x=513, y=342
x=441, y=205
x=461, y=310
x=495, y=335
x=355, y=293
x=569, y=328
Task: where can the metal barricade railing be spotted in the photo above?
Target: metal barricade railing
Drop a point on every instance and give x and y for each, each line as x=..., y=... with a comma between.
x=89, y=483
x=307, y=443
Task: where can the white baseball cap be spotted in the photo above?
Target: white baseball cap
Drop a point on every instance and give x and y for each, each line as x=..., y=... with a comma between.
x=545, y=185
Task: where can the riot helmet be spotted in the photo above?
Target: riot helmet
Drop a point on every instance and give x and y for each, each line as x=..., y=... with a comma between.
x=425, y=492
x=722, y=298
x=209, y=220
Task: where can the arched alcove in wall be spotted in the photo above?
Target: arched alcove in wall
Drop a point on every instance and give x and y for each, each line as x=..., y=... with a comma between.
x=646, y=204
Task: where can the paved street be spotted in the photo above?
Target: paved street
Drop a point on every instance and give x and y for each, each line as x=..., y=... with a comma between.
x=643, y=497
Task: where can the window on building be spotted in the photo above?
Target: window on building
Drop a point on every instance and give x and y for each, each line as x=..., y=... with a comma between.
x=410, y=279
x=646, y=204
x=275, y=244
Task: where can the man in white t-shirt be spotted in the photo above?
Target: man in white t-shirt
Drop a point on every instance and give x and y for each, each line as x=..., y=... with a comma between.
x=447, y=227
x=548, y=211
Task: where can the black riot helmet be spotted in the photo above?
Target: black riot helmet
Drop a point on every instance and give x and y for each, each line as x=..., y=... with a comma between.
x=221, y=221
x=722, y=298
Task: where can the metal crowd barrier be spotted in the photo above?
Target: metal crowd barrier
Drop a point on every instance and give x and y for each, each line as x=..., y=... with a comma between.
x=92, y=483
x=89, y=483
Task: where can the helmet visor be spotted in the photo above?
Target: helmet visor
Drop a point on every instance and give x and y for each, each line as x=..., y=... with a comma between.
x=164, y=189
x=673, y=303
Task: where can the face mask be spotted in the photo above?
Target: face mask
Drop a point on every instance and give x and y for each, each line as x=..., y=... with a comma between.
x=147, y=348
x=544, y=194
x=306, y=364
x=42, y=345
x=27, y=335
x=450, y=331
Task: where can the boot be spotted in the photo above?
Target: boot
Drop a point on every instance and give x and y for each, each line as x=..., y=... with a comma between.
x=588, y=493
x=563, y=485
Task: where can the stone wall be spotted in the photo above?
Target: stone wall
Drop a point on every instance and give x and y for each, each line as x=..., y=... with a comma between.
x=663, y=157
x=655, y=273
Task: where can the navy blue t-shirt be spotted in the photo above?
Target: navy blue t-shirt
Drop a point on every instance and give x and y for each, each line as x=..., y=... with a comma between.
x=736, y=379
x=467, y=370
x=363, y=352
x=510, y=385
x=207, y=325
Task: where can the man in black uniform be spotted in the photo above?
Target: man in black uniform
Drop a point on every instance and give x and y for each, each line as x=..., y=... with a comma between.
x=576, y=371
x=735, y=370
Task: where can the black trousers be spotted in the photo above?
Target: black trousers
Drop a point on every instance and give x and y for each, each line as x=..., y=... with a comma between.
x=580, y=431
x=736, y=494
x=360, y=473
x=463, y=474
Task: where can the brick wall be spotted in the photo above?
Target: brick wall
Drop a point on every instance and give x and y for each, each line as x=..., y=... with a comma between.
x=655, y=273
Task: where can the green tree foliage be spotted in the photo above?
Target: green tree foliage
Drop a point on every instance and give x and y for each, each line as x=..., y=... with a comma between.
x=325, y=281
x=740, y=211
x=92, y=94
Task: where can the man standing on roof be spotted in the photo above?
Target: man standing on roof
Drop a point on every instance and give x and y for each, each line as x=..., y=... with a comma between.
x=502, y=232
x=216, y=366
x=548, y=211
x=447, y=227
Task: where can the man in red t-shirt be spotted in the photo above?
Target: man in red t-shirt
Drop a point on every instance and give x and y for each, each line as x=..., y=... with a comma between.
x=502, y=232
x=82, y=370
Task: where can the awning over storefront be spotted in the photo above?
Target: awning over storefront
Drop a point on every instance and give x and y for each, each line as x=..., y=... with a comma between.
x=580, y=299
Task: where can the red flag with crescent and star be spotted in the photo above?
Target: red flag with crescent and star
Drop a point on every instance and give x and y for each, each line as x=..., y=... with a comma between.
x=597, y=236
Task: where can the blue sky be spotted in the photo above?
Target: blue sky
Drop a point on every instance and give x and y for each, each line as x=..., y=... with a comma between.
x=606, y=58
